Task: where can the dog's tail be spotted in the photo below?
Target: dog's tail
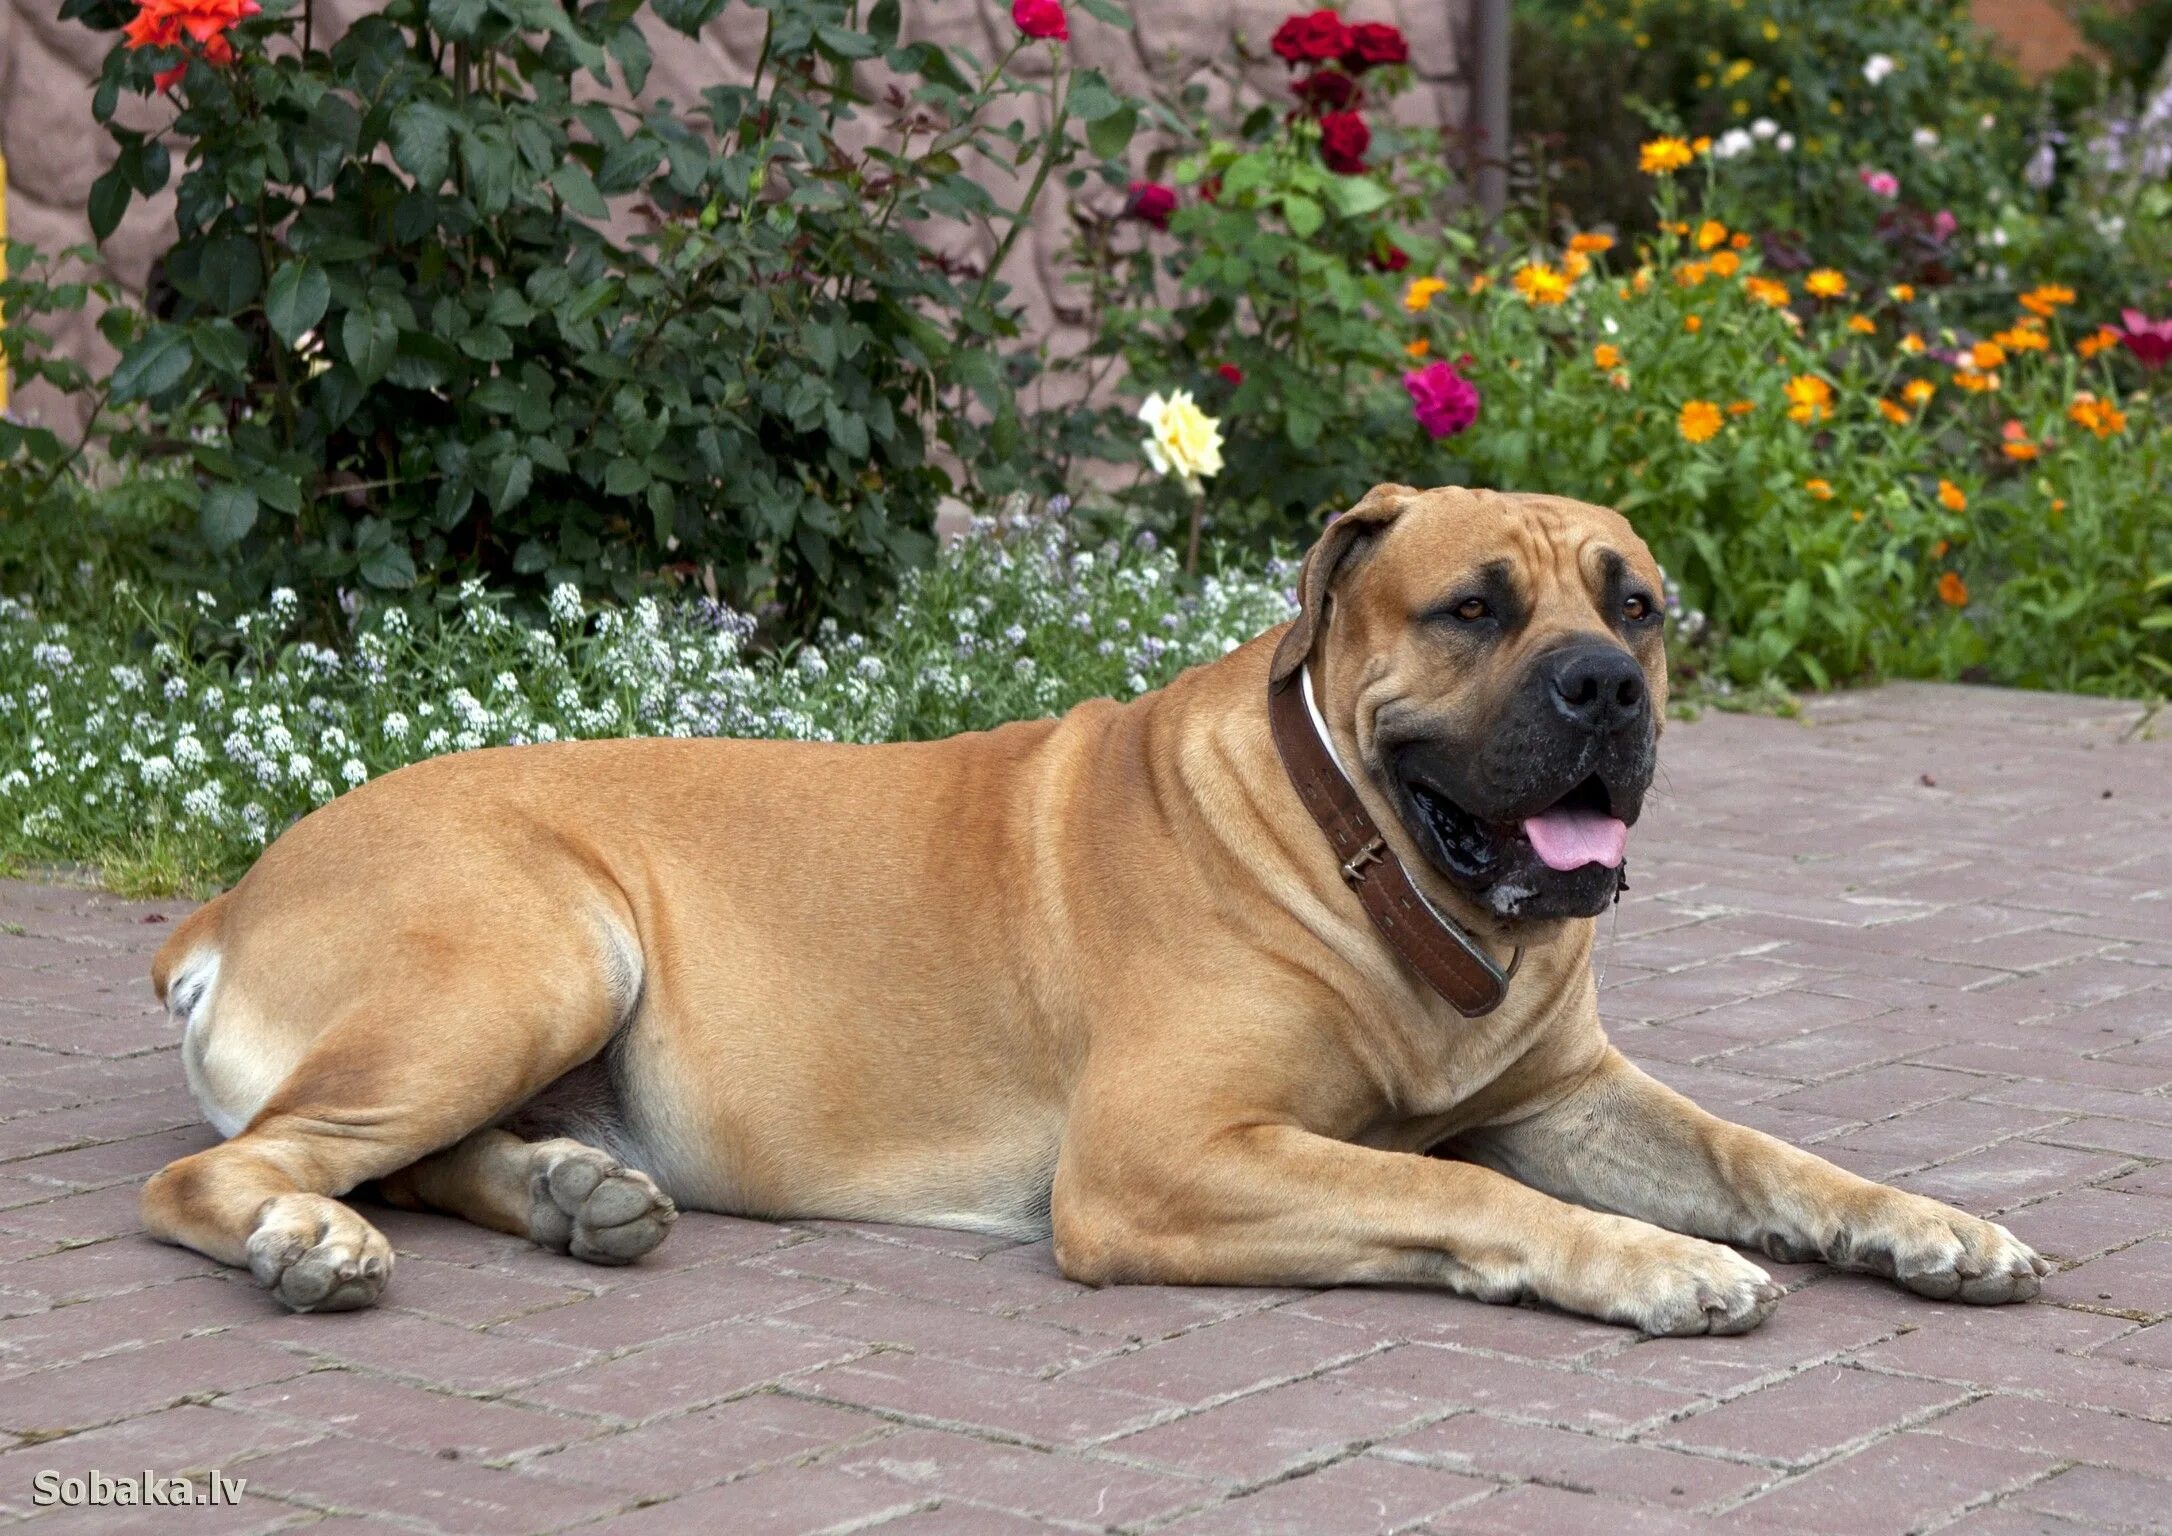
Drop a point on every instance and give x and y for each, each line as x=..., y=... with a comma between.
x=197, y=932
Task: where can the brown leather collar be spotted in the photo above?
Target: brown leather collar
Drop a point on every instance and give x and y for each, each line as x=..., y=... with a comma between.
x=1431, y=943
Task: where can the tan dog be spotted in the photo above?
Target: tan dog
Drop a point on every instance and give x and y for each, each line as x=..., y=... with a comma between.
x=1098, y=976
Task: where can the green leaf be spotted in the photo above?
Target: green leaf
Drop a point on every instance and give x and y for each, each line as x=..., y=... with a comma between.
x=388, y=566
x=1108, y=13
x=1304, y=215
x=1091, y=99
x=371, y=338
x=296, y=300
x=506, y=480
x=688, y=16
x=221, y=347
x=1110, y=136
x=229, y=273
x=152, y=366
x=324, y=140
x=1356, y=196
x=227, y=513
x=109, y=196
x=422, y=142
x=573, y=183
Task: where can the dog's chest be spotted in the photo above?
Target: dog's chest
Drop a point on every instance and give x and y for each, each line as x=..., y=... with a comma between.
x=1454, y=1073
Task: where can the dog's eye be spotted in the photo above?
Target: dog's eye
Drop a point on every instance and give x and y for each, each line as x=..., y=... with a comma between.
x=1472, y=609
x=1636, y=609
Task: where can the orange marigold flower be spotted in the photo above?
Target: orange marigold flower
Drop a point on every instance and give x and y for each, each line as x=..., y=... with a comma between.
x=1810, y=398
x=1952, y=497
x=1575, y=264
x=1974, y=382
x=1663, y=156
x=2099, y=416
x=1825, y=283
x=1952, y=590
x=2046, y=297
x=1692, y=324
x=2022, y=451
x=1896, y=414
x=1710, y=233
x=1419, y=347
x=1606, y=355
x=1766, y=290
x=1642, y=282
x=1541, y=284
x=1741, y=407
x=2103, y=336
x=1591, y=245
x=1912, y=344
x=1421, y=292
x=1986, y=355
x=1740, y=240
x=1478, y=284
x=1725, y=263
x=1938, y=550
x=2023, y=339
x=1918, y=391
x=1701, y=144
x=1690, y=273
x=1820, y=490
x=1902, y=293
x=1700, y=421
x=1862, y=325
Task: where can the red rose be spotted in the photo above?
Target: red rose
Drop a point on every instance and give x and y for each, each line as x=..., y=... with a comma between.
x=1344, y=138
x=1372, y=43
x=1314, y=38
x=1328, y=90
x=1231, y=373
x=1210, y=190
x=1151, y=203
x=1393, y=259
x=1041, y=18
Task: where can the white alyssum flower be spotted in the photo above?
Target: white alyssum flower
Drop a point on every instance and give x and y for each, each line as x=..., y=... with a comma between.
x=1764, y=128
x=1735, y=141
x=1878, y=66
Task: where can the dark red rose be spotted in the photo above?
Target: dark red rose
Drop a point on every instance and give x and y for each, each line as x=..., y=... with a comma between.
x=1393, y=259
x=1328, y=90
x=1151, y=203
x=1344, y=138
x=1231, y=373
x=1210, y=190
x=1311, y=39
x=1373, y=43
x=1041, y=19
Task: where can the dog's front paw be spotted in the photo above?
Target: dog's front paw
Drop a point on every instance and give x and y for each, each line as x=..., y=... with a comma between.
x=1945, y=1254
x=317, y=1256
x=1673, y=1286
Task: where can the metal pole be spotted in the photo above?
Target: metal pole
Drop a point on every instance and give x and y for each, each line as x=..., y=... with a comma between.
x=1489, y=102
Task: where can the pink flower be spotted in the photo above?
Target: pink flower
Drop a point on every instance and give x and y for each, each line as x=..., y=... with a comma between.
x=1151, y=203
x=1881, y=183
x=1943, y=224
x=1041, y=19
x=2150, y=340
x=1444, y=401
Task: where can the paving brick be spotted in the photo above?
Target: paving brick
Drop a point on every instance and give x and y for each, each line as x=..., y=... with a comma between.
x=2011, y=1173
x=2134, y=1280
x=2086, y=1383
x=1157, y=1311
x=1436, y=1317
x=942, y=1392
x=785, y=1501
x=1250, y=1439
x=183, y=1442
x=1811, y=1325
x=647, y=1308
x=2053, y=1429
x=2085, y=1222
x=953, y=1333
x=955, y=1279
x=672, y=1456
x=1481, y=1444
x=1809, y=1416
x=359, y=1477
x=2100, y=1495
x=442, y=1354
x=138, y=1380
x=1364, y=1496
x=1088, y=1490
x=1898, y=1485
x=1533, y=1510
x=139, y=1317
x=1225, y=1358
x=700, y=1368
x=437, y=1423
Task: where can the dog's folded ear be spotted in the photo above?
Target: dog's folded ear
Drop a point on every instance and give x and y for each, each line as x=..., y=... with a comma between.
x=1379, y=507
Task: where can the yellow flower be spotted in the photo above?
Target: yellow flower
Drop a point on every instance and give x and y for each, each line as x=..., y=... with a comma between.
x=1902, y=293
x=1766, y=290
x=1918, y=391
x=1606, y=355
x=1710, y=233
x=1575, y=264
x=1952, y=497
x=2023, y=339
x=1821, y=490
x=1690, y=273
x=1736, y=71
x=1699, y=422
x=2046, y=297
x=2099, y=416
x=1810, y=398
x=1541, y=284
x=1419, y=347
x=1701, y=144
x=1420, y=293
x=1986, y=355
x=1862, y=325
x=1591, y=245
x=1663, y=156
x=1825, y=283
x=2103, y=336
x=1181, y=439
x=1898, y=415
x=1976, y=383
x=1725, y=263
x=1912, y=344
x=1692, y=324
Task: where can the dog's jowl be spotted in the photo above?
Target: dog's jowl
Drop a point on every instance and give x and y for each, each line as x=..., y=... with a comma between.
x=1278, y=976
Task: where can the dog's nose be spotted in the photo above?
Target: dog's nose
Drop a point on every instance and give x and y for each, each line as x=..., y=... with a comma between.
x=1600, y=687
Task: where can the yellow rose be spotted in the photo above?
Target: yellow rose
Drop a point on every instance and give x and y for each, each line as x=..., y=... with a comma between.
x=1182, y=440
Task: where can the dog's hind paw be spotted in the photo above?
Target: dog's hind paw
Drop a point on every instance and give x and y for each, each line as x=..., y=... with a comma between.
x=586, y=1203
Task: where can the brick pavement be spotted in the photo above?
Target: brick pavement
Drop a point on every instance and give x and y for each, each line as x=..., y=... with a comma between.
x=1930, y=933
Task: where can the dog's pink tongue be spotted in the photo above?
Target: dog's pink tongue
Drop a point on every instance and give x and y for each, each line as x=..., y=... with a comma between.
x=1570, y=838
